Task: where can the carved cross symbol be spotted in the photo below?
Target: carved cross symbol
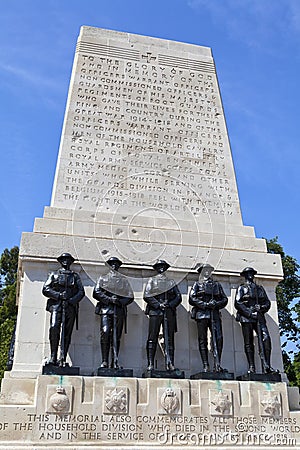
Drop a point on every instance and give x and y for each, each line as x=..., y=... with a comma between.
x=116, y=400
x=148, y=57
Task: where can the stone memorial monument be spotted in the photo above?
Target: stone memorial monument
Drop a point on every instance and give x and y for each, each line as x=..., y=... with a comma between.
x=144, y=172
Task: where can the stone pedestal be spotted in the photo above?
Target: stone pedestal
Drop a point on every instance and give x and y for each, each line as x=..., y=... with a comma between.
x=212, y=376
x=134, y=413
x=53, y=369
x=264, y=377
x=106, y=372
x=168, y=374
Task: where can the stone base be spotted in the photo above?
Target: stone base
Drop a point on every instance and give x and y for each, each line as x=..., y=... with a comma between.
x=212, y=376
x=263, y=377
x=52, y=369
x=163, y=374
x=108, y=372
x=58, y=413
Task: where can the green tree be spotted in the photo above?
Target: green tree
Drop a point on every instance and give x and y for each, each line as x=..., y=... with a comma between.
x=288, y=302
x=287, y=293
x=9, y=266
x=292, y=368
x=296, y=368
x=8, y=308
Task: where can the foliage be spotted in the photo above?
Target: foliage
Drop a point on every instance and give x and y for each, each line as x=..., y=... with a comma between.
x=9, y=266
x=8, y=309
x=292, y=368
x=287, y=294
x=296, y=367
x=6, y=332
x=288, y=302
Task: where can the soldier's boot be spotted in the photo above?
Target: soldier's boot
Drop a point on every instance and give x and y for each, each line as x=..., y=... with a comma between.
x=204, y=357
x=54, y=341
x=114, y=364
x=170, y=365
x=217, y=364
x=105, y=353
x=67, y=345
x=267, y=354
x=151, y=349
x=250, y=359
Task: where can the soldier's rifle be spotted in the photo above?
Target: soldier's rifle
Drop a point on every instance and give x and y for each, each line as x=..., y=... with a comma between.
x=114, y=340
x=62, y=359
x=213, y=335
x=166, y=334
x=259, y=333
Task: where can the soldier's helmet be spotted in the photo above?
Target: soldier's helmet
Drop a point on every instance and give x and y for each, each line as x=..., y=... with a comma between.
x=200, y=267
x=161, y=263
x=114, y=260
x=247, y=270
x=67, y=256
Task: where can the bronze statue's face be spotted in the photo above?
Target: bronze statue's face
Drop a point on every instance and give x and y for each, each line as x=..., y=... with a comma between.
x=206, y=272
x=161, y=269
x=65, y=262
x=249, y=276
x=115, y=266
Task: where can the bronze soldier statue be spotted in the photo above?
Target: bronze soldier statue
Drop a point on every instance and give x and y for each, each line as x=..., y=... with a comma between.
x=252, y=303
x=162, y=297
x=113, y=293
x=64, y=291
x=207, y=298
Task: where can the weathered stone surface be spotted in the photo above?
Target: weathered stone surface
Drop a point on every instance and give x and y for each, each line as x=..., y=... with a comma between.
x=142, y=413
x=144, y=131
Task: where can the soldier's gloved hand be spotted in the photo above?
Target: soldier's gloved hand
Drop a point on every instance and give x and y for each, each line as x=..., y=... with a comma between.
x=257, y=307
x=63, y=296
x=212, y=304
x=114, y=300
x=163, y=306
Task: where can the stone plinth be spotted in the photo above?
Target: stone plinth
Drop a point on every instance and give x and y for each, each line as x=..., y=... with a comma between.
x=146, y=413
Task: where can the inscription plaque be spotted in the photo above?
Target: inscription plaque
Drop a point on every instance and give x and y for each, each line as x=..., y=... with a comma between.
x=145, y=130
x=170, y=416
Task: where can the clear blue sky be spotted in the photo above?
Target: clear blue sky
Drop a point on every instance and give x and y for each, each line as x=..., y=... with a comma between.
x=256, y=46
